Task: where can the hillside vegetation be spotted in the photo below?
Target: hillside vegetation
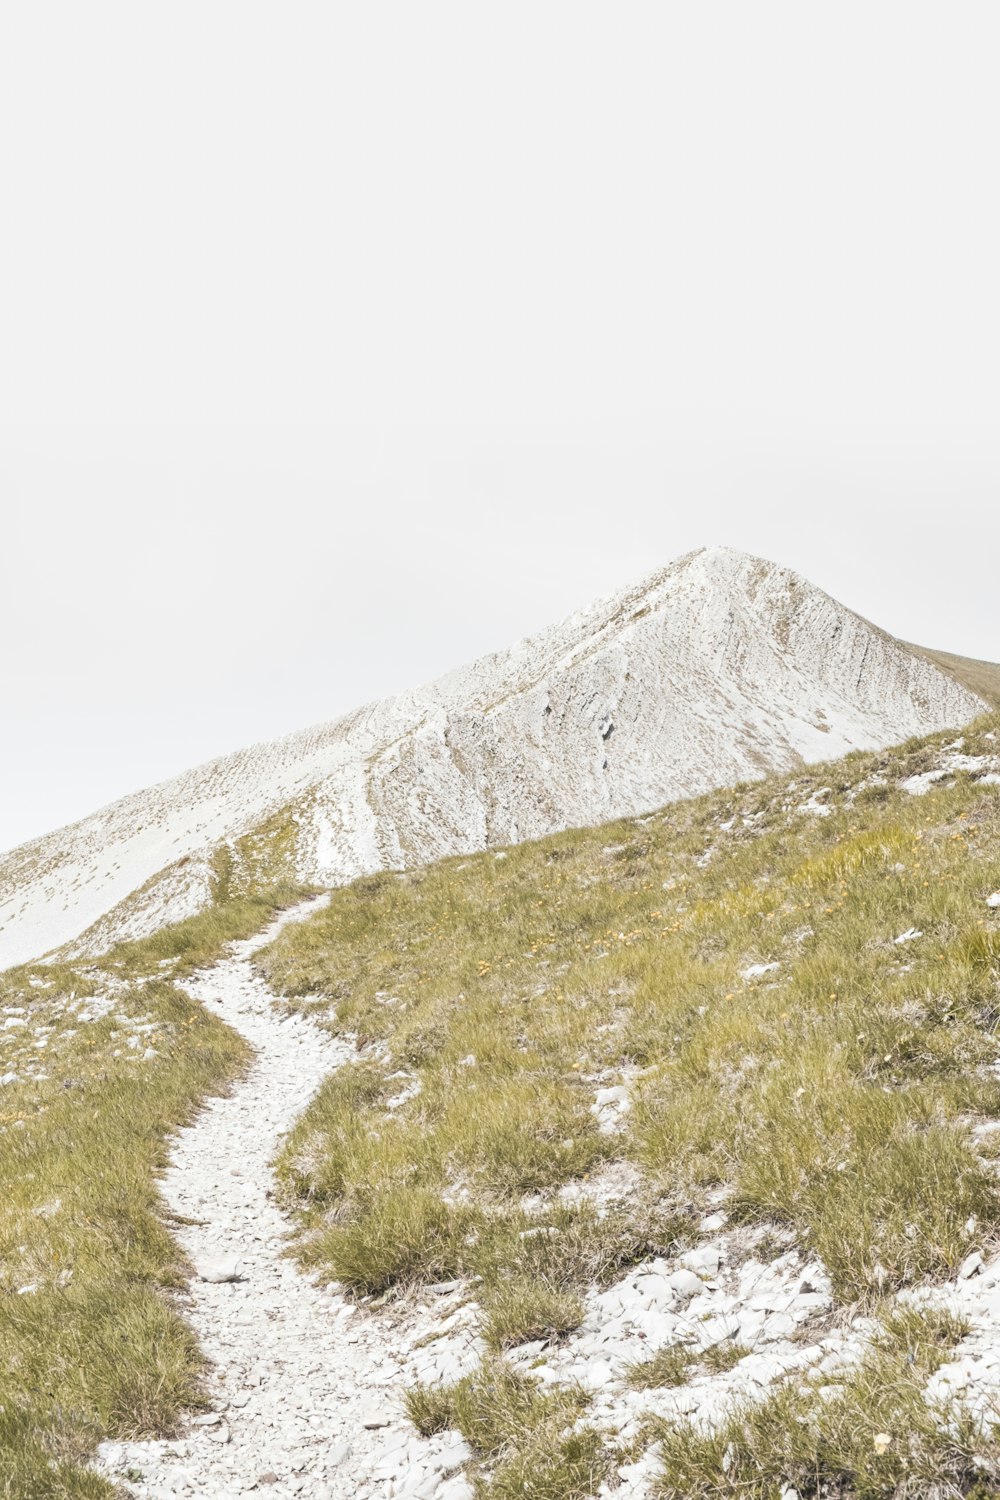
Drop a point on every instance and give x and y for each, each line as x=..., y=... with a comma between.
x=780, y=1000
x=100, y=1062
x=774, y=1005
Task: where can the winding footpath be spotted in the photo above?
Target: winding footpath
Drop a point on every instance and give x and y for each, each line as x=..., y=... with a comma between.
x=305, y=1388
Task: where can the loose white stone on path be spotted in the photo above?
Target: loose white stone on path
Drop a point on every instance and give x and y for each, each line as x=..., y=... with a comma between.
x=221, y=1270
x=298, y=1384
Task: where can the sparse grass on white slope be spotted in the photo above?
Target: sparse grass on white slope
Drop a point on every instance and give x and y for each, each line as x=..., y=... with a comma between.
x=870, y=1434
x=734, y=962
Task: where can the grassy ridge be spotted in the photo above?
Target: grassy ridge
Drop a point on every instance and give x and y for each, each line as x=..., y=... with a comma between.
x=733, y=962
x=89, y=1345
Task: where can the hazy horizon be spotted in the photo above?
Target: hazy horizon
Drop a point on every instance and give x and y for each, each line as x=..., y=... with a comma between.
x=290, y=729
x=344, y=345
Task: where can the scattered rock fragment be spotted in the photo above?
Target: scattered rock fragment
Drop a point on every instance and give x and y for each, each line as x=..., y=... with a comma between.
x=757, y=971
x=686, y=1283
x=227, y=1269
x=706, y=1258
x=442, y=1288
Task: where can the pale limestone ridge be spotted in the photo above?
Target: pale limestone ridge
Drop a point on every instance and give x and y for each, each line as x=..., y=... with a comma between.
x=716, y=669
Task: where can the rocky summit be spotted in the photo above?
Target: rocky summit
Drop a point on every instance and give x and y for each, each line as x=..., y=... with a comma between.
x=718, y=669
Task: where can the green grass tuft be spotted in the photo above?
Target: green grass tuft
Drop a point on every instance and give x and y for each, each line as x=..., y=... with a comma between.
x=528, y=1440
x=677, y=1364
x=667, y=1367
x=411, y=1237
x=524, y=1308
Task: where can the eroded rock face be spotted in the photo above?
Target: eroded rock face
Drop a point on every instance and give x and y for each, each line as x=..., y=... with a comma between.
x=720, y=668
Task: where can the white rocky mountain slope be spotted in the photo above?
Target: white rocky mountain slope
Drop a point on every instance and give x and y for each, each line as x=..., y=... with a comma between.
x=717, y=669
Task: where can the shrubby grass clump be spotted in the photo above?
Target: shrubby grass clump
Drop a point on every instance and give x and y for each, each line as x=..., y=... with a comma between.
x=528, y=1441
x=676, y=1364
x=671, y=1365
x=533, y=1276
x=524, y=1308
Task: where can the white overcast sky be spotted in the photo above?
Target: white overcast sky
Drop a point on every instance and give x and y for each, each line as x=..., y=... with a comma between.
x=343, y=342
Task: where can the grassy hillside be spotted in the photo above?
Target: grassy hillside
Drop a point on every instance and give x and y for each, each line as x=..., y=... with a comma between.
x=99, y=1063
x=780, y=999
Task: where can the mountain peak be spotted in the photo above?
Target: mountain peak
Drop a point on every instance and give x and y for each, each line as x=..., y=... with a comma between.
x=720, y=667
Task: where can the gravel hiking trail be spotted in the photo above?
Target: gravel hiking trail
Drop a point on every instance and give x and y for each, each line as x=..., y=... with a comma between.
x=304, y=1388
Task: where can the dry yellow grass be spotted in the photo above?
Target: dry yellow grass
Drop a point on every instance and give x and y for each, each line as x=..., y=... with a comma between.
x=734, y=962
x=491, y=998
